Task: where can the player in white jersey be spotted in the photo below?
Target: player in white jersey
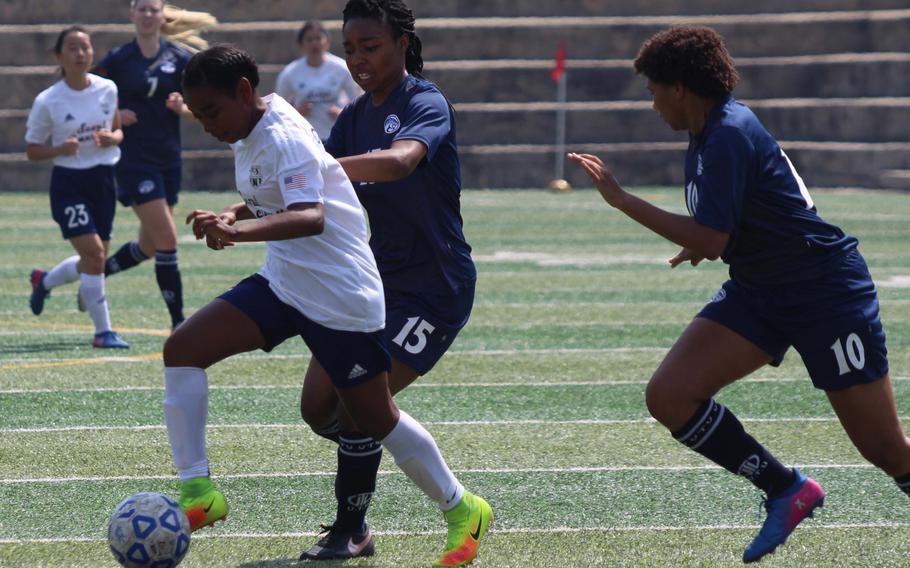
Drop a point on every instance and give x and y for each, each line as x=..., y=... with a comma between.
x=319, y=281
x=75, y=123
x=318, y=84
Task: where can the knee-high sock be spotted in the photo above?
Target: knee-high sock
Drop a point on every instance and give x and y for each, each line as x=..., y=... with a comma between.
x=358, y=463
x=416, y=453
x=167, y=272
x=186, y=404
x=717, y=434
x=126, y=257
x=64, y=273
x=91, y=287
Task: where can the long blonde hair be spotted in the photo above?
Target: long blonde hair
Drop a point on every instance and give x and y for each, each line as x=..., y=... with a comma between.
x=184, y=27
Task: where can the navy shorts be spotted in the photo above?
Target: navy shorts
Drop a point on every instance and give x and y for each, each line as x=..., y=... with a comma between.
x=136, y=186
x=83, y=201
x=420, y=328
x=349, y=357
x=836, y=327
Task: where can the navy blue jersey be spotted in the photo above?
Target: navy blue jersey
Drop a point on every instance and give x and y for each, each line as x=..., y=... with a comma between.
x=144, y=85
x=415, y=222
x=740, y=182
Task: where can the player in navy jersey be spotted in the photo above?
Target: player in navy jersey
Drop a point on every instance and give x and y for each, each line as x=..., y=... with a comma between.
x=795, y=280
x=147, y=71
x=397, y=144
x=74, y=122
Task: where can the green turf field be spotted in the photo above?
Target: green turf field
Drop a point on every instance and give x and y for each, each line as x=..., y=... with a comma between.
x=538, y=407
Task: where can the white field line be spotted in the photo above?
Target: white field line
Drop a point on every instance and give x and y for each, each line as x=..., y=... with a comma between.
x=815, y=526
x=301, y=425
x=426, y=385
x=453, y=353
x=494, y=471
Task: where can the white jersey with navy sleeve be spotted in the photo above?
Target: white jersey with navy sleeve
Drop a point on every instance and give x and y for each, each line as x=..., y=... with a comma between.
x=331, y=278
x=329, y=84
x=61, y=112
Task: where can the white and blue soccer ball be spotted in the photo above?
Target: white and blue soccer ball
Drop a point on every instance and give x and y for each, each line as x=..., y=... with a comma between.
x=148, y=530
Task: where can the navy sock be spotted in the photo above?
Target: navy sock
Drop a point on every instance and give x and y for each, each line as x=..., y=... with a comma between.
x=715, y=433
x=126, y=257
x=168, y=275
x=358, y=463
x=903, y=481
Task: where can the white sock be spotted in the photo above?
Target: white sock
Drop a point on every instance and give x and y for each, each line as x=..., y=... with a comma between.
x=186, y=409
x=91, y=287
x=63, y=273
x=416, y=453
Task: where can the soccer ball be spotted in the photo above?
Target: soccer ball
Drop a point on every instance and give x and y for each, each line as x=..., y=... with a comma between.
x=148, y=530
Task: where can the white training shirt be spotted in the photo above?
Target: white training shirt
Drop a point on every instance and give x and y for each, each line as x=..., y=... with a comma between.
x=331, y=278
x=61, y=112
x=330, y=83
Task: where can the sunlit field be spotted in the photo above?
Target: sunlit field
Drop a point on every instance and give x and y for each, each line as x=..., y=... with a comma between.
x=538, y=407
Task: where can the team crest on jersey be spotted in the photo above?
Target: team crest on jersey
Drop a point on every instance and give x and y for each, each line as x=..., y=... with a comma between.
x=392, y=124
x=168, y=67
x=106, y=108
x=255, y=176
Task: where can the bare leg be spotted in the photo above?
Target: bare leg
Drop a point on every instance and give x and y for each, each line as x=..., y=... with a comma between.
x=869, y=416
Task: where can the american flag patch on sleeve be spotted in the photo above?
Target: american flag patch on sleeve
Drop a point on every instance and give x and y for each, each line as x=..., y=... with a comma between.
x=295, y=181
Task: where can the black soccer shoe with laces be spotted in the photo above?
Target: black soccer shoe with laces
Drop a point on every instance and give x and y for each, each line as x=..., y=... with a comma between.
x=337, y=545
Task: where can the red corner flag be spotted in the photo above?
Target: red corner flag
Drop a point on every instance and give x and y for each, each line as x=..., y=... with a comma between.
x=560, y=65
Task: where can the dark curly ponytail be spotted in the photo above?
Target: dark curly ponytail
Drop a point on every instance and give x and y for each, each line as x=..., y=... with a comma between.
x=399, y=17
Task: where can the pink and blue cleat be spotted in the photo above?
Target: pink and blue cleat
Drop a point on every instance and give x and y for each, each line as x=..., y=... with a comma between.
x=39, y=292
x=785, y=512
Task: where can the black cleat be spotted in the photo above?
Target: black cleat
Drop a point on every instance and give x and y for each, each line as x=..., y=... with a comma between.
x=336, y=545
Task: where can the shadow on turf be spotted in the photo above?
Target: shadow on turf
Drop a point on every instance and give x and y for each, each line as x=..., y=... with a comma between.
x=44, y=347
x=294, y=563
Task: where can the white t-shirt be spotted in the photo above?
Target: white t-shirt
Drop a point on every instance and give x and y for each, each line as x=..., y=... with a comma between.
x=331, y=278
x=61, y=112
x=330, y=83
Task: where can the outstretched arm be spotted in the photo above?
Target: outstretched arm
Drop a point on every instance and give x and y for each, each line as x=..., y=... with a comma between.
x=701, y=241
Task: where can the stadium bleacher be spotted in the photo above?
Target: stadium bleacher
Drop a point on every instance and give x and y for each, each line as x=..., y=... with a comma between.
x=830, y=79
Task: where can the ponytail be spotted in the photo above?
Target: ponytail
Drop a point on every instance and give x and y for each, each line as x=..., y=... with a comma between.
x=184, y=27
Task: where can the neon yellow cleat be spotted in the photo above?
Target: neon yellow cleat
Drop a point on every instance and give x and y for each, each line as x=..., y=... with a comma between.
x=468, y=523
x=202, y=502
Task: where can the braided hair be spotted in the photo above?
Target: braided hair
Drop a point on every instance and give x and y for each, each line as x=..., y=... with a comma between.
x=220, y=67
x=399, y=17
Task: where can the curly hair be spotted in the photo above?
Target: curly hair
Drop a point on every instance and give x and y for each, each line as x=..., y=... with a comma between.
x=692, y=55
x=399, y=17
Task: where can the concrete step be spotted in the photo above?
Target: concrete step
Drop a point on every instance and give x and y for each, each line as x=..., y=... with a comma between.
x=834, y=75
x=831, y=120
x=896, y=179
x=94, y=11
x=784, y=34
x=821, y=164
